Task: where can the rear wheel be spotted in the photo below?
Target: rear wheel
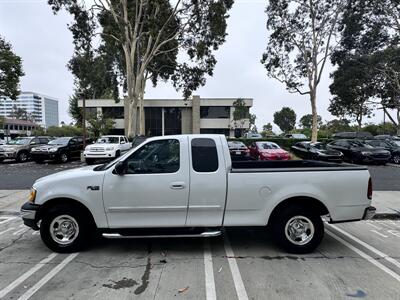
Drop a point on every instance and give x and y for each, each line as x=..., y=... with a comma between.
x=298, y=230
x=118, y=153
x=65, y=229
x=396, y=159
x=64, y=157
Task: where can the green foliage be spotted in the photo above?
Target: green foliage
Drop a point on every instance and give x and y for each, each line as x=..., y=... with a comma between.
x=376, y=129
x=285, y=119
x=75, y=111
x=240, y=114
x=10, y=71
x=306, y=121
x=64, y=131
x=39, y=131
x=99, y=125
x=267, y=130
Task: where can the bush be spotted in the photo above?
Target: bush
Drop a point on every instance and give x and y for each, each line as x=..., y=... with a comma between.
x=64, y=131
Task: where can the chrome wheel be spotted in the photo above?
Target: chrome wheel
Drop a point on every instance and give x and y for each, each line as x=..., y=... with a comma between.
x=64, y=229
x=23, y=157
x=64, y=157
x=299, y=230
x=396, y=159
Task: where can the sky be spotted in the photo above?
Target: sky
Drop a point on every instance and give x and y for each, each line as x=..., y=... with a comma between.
x=45, y=45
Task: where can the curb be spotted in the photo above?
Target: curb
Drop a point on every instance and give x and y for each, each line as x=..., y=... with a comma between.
x=386, y=216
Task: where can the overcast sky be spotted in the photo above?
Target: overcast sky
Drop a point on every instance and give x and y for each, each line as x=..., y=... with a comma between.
x=45, y=45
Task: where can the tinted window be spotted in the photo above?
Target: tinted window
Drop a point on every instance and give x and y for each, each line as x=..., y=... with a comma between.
x=204, y=155
x=155, y=157
x=214, y=112
x=43, y=141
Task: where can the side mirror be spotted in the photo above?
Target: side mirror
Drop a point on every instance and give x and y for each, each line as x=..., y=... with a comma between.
x=120, y=168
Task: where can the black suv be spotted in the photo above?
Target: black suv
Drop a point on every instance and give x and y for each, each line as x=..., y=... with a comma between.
x=393, y=146
x=61, y=149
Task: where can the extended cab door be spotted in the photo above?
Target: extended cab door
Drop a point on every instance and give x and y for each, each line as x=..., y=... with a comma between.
x=208, y=181
x=154, y=190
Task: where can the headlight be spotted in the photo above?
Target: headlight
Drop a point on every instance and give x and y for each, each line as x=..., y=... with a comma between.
x=53, y=150
x=366, y=153
x=34, y=149
x=109, y=148
x=32, y=195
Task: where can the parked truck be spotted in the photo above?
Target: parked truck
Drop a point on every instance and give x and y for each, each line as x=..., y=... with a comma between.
x=187, y=185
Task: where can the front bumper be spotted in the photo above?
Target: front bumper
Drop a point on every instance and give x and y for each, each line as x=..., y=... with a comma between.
x=99, y=155
x=8, y=154
x=45, y=155
x=29, y=215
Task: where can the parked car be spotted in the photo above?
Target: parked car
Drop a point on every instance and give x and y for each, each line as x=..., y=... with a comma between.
x=393, y=146
x=296, y=136
x=316, y=151
x=106, y=147
x=238, y=150
x=20, y=148
x=61, y=149
x=2, y=142
x=357, y=151
x=353, y=135
x=187, y=185
x=253, y=135
x=268, y=151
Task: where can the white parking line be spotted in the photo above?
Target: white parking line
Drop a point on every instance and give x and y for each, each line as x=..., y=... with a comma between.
x=6, y=219
x=369, y=247
x=237, y=278
x=47, y=277
x=378, y=233
x=7, y=230
x=26, y=275
x=20, y=231
x=209, y=272
x=365, y=256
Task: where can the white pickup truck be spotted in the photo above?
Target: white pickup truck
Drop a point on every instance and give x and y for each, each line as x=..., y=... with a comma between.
x=186, y=185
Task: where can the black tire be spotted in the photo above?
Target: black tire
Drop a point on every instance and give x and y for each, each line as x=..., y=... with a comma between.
x=89, y=161
x=63, y=157
x=281, y=229
x=396, y=159
x=65, y=215
x=22, y=157
x=1, y=160
x=117, y=154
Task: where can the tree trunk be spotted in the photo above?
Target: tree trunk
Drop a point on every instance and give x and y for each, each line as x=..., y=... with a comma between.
x=142, y=121
x=314, y=127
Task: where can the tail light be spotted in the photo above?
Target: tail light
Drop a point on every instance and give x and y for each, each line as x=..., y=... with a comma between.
x=369, y=193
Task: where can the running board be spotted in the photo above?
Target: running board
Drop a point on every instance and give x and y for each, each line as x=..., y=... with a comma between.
x=202, y=235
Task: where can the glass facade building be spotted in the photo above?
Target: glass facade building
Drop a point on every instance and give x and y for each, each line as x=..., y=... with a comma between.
x=40, y=109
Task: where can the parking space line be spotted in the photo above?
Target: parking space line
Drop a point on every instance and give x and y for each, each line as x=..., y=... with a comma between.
x=369, y=247
x=6, y=219
x=237, y=278
x=26, y=275
x=209, y=272
x=47, y=277
x=20, y=231
x=7, y=230
x=378, y=233
x=365, y=256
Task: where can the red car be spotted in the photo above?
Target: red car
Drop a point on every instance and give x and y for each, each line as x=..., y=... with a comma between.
x=268, y=151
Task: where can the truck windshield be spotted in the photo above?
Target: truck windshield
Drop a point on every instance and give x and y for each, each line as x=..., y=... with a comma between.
x=108, y=140
x=60, y=141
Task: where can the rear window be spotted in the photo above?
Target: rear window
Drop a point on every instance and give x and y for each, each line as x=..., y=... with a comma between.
x=204, y=155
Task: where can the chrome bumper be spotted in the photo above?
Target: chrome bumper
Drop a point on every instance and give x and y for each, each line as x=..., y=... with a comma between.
x=369, y=213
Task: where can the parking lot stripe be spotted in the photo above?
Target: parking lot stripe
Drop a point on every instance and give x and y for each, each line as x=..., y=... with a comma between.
x=47, y=277
x=209, y=272
x=369, y=247
x=7, y=219
x=20, y=231
x=26, y=275
x=365, y=256
x=7, y=230
x=237, y=278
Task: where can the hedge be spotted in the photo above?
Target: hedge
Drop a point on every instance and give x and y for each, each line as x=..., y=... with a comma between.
x=285, y=143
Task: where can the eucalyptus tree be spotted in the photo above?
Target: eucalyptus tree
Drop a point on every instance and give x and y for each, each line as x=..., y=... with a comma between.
x=302, y=36
x=142, y=39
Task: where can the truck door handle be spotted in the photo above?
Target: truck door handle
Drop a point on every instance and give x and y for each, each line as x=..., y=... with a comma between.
x=177, y=185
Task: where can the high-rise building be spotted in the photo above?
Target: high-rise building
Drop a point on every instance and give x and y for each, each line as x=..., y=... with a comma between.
x=41, y=109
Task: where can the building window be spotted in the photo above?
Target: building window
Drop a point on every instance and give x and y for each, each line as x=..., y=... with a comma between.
x=215, y=131
x=215, y=112
x=172, y=121
x=90, y=111
x=153, y=121
x=113, y=112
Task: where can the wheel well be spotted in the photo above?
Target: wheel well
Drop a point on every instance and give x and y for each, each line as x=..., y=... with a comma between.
x=307, y=202
x=65, y=201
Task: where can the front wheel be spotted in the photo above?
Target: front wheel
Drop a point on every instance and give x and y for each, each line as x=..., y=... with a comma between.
x=298, y=230
x=65, y=229
x=396, y=159
x=22, y=157
x=64, y=157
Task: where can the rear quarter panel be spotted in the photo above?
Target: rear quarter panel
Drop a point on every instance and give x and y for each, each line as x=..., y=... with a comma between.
x=253, y=196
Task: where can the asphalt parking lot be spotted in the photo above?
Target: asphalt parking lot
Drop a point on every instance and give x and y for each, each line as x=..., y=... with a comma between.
x=358, y=260
x=15, y=176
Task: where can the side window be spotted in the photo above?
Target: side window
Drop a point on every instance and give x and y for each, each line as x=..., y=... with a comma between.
x=72, y=141
x=155, y=157
x=35, y=141
x=43, y=141
x=204, y=155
